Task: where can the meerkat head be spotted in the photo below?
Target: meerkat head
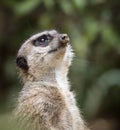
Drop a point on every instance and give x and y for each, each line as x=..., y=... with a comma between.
x=43, y=52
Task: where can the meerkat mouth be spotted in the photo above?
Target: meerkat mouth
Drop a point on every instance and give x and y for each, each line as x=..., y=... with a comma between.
x=57, y=49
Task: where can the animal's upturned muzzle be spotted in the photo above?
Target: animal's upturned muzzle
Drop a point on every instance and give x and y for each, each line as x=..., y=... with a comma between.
x=64, y=39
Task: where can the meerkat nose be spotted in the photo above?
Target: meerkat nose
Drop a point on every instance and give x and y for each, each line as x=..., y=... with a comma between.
x=64, y=38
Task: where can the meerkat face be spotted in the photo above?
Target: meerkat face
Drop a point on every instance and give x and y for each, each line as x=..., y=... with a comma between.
x=44, y=49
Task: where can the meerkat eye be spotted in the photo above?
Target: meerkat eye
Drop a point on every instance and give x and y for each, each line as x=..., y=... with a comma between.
x=42, y=41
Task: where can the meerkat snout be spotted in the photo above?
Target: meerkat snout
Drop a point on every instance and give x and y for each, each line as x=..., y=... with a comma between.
x=64, y=38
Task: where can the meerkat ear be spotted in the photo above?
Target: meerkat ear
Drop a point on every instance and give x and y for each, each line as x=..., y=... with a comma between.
x=22, y=63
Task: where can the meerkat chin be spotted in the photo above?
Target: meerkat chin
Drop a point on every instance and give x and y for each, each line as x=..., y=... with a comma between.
x=46, y=102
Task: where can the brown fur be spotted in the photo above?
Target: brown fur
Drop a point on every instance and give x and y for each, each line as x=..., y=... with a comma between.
x=46, y=102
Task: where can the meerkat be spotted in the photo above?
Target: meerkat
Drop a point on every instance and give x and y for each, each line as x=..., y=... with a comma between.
x=45, y=101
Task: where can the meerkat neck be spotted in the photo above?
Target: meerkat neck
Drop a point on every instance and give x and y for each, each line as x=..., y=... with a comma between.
x=51, y=76
x=61, y=78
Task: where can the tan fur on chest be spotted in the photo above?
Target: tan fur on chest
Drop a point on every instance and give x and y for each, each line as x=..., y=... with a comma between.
x=45, y=105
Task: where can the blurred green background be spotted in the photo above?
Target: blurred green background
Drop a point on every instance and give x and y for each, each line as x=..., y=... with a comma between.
x=94, y=29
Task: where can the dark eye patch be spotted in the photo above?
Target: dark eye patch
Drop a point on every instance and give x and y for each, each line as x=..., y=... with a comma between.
x=42, y=41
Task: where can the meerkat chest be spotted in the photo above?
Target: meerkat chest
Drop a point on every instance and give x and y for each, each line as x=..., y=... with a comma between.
x=43, y=105
x=70, y=100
